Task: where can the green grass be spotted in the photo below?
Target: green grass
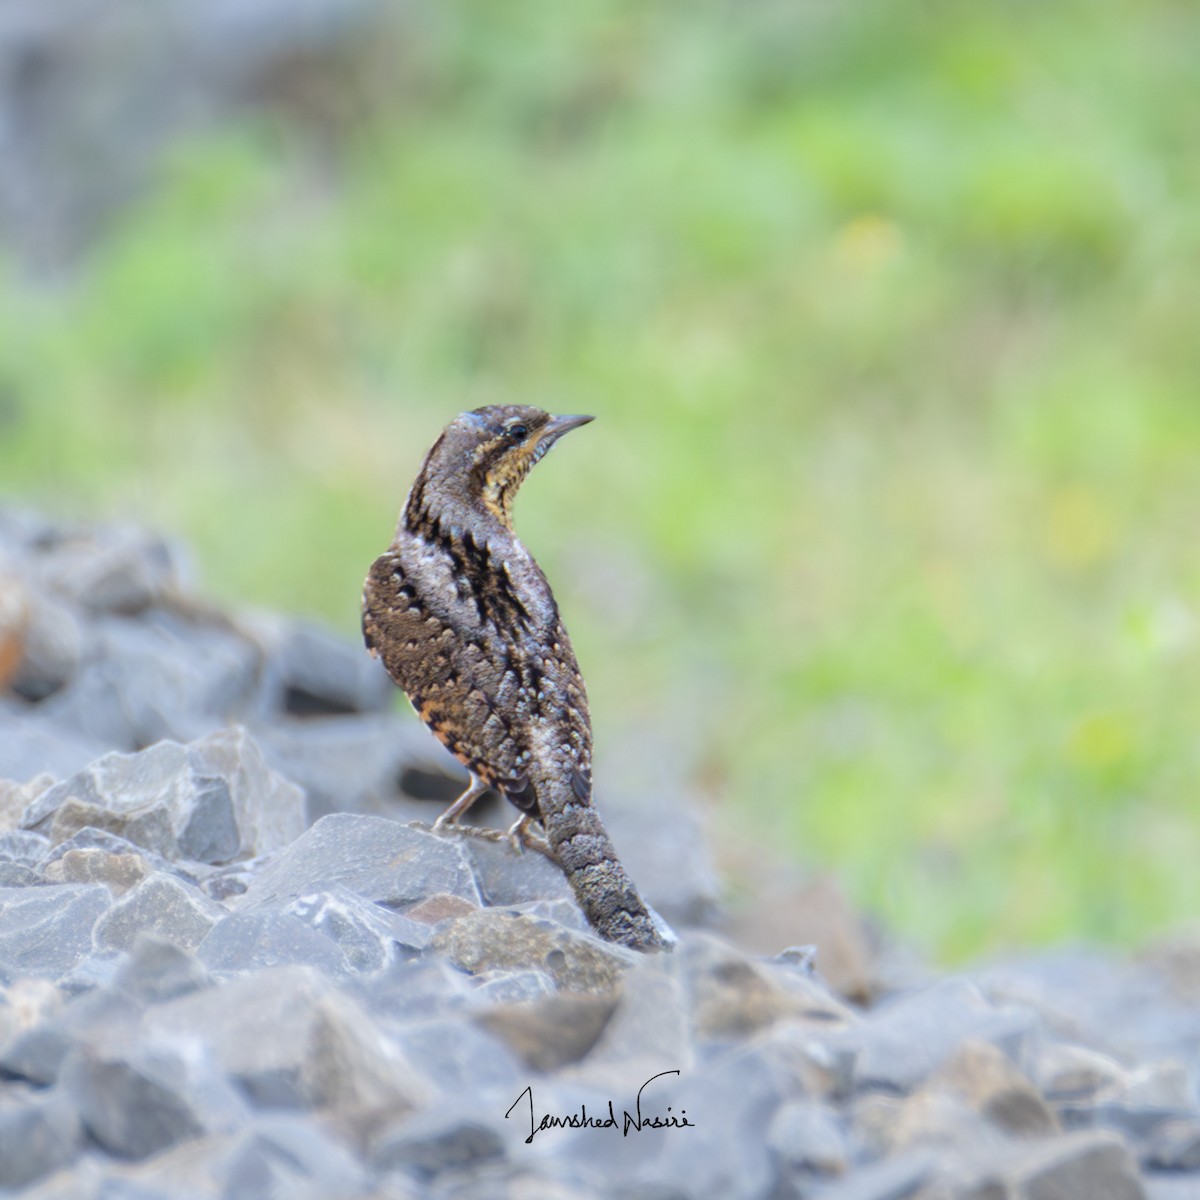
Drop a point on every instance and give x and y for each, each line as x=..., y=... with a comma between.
x=889, y=313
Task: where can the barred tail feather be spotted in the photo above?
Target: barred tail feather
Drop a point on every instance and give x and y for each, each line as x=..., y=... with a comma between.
x=603, y=889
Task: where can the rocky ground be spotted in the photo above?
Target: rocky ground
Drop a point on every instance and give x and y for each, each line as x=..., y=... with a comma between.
x=235, y=963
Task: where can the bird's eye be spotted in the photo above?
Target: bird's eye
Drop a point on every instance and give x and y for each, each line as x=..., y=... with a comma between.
x=517, y=432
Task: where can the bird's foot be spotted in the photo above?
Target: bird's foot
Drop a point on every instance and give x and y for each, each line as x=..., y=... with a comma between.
x=521, y=836
x=443, y=826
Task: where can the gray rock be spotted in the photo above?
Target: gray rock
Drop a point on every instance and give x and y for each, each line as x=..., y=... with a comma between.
x=110, y=568
x=730, y=1103
x=370, y=936
x=378, y=859
x=140, y=1101
x=907, y=1039
x=440, y=1140
x=993, y=1087
x=507, y=877
x=118, y=872
x=895, y=1179
x=36, y=744
x=345, y=763
x=549, y=1033
x=284, y=1155
x=39, y=1133
x=1076, y=1166
x=160, y=676
x=14, y=875
x=162, y=905
x=564, y=912
x=733, y=996
x=46, y=931
x=457, y=1058
x=269, y=810
x=209, y=802
x=651, y=1021
x=414, y=990
x=52, y=648
x=289, y=1038
x=513, y=987
x=496, y=939
x=314, y=673
x=807, y=1137
x=37, y=1054
x=1134, y=1121
x=1174, y=1146
x=24, y=847
x=157, y=969
x=248, y=941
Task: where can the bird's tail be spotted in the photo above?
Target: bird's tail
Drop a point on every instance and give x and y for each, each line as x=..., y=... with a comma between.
x=603, y=889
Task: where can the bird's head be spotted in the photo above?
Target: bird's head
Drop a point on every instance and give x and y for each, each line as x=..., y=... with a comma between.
x=496, y=447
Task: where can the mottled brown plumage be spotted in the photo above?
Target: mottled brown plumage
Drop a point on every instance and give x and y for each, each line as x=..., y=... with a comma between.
x=466, y=624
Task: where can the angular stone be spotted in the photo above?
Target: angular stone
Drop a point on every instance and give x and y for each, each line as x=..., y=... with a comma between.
x=994, y=1088
x=564, y=912
x=651, y=1021
x=1174, y=1146
x=506, y=877
x=1076, y=1166
x=46, y=931
x=269, y=810
x=157, y=969
x=140, y=1101
x=457, y=1058
x=896, y=1178
x=494, y=939
x=209, y=802
x=14, y=875
x=937, y=1118
x=162, y=905
x=52, y=647
x=118, y=872
x=248, y=941
x=370, y=936
x=310, y=672
x=345, y=764
x=733, y=996
x=1066, y=1072
x=513, y=987
x=413, y=990
x=161, y=676
x=549, y=1033
x=16, y=797
x=440, y=1140
x=35, y=747
x=730, y=1103
x=905, y=1040
x=151, y=798
x=39, y=1133
x=807, y=1137
x=26, y=1003
x=22, y=846
x=783, y=913
x=289, y=1038
x=376, y=858
x=285, y=1155
x=111, y=568
x=440, y=907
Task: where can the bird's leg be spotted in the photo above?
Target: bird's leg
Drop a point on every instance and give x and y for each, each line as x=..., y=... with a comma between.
x=460, y=806
x=521, y=835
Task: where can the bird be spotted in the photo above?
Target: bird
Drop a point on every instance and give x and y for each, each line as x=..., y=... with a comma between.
x=465, y=623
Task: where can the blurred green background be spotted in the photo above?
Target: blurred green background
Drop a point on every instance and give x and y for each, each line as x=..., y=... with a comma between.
x=886, y=531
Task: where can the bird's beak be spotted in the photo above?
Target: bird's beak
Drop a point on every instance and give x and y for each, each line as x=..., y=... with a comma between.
x=557, y=426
